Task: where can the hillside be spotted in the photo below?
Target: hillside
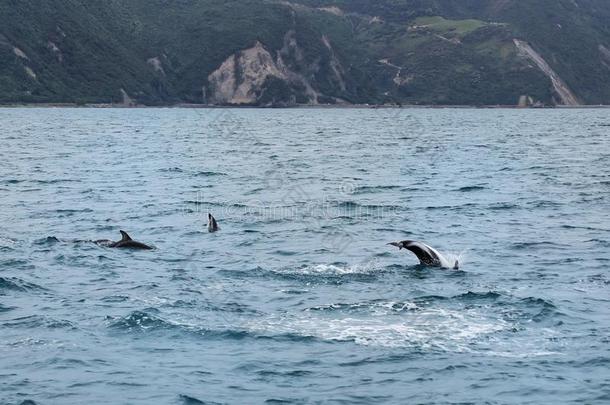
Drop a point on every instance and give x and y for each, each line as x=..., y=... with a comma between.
x=256, y=52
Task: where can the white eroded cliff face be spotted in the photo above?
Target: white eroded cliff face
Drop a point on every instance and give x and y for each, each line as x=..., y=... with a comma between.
x=244, y=77
x=567, y=97
x=241, y=76
x=605, y=55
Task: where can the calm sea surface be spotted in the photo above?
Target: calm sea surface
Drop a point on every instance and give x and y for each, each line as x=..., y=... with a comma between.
x=299, y=299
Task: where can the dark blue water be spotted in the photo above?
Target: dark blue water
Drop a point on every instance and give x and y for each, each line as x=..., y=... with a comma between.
x=298, y=299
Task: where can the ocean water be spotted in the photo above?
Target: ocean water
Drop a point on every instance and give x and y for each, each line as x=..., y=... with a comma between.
x=298, y=298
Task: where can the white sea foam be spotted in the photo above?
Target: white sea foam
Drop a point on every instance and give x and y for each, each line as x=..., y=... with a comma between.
x=448, y=259
x=441, y=329
x=331, y=269
x=7, y=242
x=396, y=325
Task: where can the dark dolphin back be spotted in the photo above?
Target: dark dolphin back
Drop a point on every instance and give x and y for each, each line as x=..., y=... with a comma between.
x=132, y=244
x=423, y=253
x=127, y=243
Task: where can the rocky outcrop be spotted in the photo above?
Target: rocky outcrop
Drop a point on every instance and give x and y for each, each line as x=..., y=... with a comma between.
x=605, y=55
x=566, y=95
x=259, y=76
x=292, y=62
x=333, y=10
x=337, y=70
x=30, y=72
x=56, y=51
x=127, y=101
x=240, y=78
x=18, y=52
x=156, y=64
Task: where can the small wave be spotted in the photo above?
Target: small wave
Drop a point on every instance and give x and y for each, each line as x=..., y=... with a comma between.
x=598, y=279
x=70, y=212
x=16, y=284
x=502, y=206
x=374, y=189
x=378, y=305
x=394, y=230
x=545, y=204
x=189, y=400
x=470, y=188
x=7, y=242
x=352, y=206
x=348, y=205
x=15, y=263
x=587, y=228
x=255, y=191
x=534, y=245
x=286, y=252
x=49, y=240
x=115, y=298
x=38, y=321
x=140, y=321
x=209, y=174
x=450, y=207
x=6, y=309
x=474, y=296
x=540, y=309
x=537, y=301
x=56, y=181
x=199, y=203
x=149, y=321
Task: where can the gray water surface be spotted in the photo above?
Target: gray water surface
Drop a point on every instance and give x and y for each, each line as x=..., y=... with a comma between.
x=299, y=299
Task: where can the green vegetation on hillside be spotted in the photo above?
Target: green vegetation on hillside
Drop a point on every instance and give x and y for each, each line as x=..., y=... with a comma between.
x=362, y=51
x=442, y=25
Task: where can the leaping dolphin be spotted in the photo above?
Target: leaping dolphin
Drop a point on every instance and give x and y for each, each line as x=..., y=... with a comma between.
x=212, y=224
x=427, y=255
x=125, y=243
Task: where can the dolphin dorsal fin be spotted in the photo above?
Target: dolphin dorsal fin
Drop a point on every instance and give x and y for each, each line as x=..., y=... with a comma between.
x=125, y=237
x=212, y=224
x=456, y=266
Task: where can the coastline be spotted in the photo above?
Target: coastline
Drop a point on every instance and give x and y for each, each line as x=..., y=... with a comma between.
x=300, y=106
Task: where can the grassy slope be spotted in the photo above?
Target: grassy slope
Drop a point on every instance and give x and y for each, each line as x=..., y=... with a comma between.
x=566, y=32
x=451, y=62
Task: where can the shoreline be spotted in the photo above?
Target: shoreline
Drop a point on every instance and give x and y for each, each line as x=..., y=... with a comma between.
x=299, y=106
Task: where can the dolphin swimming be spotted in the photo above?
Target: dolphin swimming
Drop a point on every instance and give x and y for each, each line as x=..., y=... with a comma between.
x=212, y=224
x=427, y=255
x=125, y=243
